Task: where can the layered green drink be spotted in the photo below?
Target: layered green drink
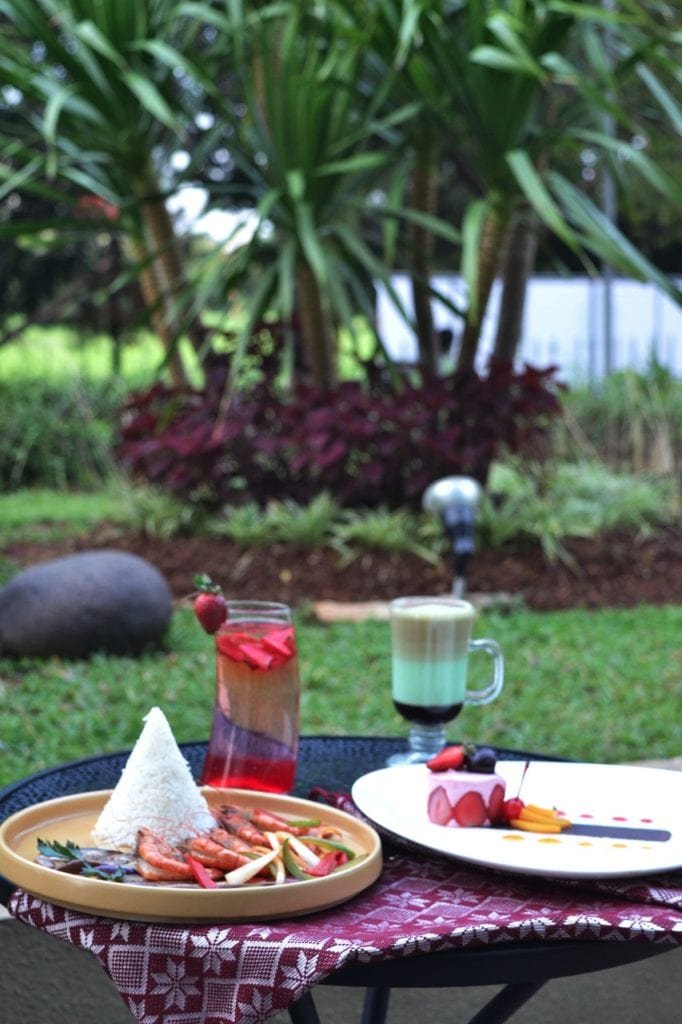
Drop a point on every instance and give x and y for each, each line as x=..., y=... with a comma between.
x=430, y=648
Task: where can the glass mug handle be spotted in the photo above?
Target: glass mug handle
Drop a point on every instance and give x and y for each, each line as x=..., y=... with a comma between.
x=494, y=687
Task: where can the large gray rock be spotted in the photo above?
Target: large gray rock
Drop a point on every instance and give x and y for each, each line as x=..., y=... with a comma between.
x=107, y=601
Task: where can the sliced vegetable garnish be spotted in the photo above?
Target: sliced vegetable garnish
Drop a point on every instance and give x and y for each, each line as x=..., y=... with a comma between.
x=328, y=844
x=248, y=871
x=200, y=873
x=59, y=851
x=305, y=854
x=328, y=862
x=299, y=862
x=107, y=872
x=292, y=865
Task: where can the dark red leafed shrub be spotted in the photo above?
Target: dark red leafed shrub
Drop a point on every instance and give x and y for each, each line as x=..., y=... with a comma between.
x=364, y=443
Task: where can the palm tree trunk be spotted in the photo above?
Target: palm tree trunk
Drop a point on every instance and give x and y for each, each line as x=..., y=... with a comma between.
x=166, y=267
x=424, y=197
x=317, y=333
x=492, y=238
x=154, y=299
x=519, y=262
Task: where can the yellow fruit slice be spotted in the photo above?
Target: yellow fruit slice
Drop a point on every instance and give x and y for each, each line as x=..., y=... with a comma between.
x=543, y=814
x=535, y=826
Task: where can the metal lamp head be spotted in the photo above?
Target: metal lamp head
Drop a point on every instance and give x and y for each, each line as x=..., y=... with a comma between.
x=455, y=499
x=450, y=492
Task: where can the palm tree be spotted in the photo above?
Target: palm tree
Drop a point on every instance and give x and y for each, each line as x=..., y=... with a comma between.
x=107, y=92
x=312, y=139
x=499, y=78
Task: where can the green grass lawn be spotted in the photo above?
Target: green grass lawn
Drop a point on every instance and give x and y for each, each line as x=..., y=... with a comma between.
x=601, y=686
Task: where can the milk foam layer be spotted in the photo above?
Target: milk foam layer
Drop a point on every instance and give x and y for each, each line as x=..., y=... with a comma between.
x=437, y=632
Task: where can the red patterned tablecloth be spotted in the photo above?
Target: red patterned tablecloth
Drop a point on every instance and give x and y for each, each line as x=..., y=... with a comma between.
x=218, y=973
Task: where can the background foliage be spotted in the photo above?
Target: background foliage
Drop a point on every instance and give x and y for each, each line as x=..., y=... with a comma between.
x=346, y=135
x=46, y=708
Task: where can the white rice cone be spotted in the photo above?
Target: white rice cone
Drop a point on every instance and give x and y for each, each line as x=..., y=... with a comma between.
x=156, y=790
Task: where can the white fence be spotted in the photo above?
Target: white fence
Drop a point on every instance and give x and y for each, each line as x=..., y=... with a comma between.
x=586, y=327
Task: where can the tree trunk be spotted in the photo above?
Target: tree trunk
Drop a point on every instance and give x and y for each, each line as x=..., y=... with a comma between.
x=492, y=238
x=424, y=197
x=519, y=262
x=316, y=331
x=154, y=299
x=166, y=272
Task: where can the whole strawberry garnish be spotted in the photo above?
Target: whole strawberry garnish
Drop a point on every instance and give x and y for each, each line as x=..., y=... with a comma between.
x=448, y=759
x=210, y=607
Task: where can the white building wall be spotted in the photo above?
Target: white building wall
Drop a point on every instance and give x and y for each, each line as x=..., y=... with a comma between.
x=564, y=324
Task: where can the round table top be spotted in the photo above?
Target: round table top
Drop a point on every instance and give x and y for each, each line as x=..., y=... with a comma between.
x=330, y=762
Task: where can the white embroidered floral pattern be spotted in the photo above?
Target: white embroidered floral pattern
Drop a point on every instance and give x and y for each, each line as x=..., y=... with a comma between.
x=174, y=984
x=244, y=974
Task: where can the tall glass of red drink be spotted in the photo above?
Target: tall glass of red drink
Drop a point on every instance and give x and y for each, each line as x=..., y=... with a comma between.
x=254, y=736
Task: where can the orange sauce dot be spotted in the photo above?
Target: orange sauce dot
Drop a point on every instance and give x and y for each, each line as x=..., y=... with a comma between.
x=514, y=836
x=549, y=840
x=584, y=843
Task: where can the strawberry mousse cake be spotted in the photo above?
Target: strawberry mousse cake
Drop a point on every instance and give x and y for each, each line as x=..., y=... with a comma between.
x=464, y=791
x=464, y=799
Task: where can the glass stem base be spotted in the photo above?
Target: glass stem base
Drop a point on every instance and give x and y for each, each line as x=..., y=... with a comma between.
x=424, y=742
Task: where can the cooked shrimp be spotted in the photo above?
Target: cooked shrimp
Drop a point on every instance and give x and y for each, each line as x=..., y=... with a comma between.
x=158, y=861
x=213, y=855
x=232, y=819
x=228, y=839
x=270, y=822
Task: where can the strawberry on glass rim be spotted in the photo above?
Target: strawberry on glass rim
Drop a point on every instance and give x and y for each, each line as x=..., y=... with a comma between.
x=210, y=606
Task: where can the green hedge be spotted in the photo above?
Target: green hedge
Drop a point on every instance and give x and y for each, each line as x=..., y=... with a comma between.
x=57, y=435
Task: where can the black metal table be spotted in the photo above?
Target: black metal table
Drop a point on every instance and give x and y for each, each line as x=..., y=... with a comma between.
x=333, y=763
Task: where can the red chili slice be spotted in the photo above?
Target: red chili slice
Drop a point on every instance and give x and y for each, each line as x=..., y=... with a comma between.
x=200, y=873
x=327, y=863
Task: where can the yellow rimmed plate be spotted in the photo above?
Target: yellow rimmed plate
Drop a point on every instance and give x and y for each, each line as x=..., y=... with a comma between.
x=73, y=817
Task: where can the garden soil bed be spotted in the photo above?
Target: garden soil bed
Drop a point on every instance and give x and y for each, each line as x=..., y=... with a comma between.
x=615, y=570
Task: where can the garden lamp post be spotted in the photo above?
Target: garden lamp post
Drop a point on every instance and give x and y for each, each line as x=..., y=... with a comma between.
x=455, y=499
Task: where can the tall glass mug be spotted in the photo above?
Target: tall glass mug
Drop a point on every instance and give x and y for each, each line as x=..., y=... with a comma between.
x=254, y=736
x=430, y=647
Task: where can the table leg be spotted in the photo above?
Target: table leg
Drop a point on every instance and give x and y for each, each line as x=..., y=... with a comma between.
x=375, y=1005
x=496, y=1011
x=505, y=1004
x=304, y=1011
